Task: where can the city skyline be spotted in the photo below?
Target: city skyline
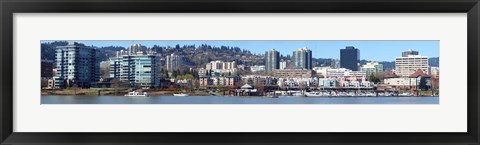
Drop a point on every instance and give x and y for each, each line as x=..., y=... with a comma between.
x=320, y=48
x=137, y=71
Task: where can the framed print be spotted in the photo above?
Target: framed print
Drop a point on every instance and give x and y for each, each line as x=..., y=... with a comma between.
x=239, y=72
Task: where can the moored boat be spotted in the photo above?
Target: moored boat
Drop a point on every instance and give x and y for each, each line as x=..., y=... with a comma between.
x=405, y=94
x=181, y=94
x=137, y=94
x=313, y=94
x=298, y=94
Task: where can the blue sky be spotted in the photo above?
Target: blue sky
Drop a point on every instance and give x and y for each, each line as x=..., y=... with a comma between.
x=370, y=50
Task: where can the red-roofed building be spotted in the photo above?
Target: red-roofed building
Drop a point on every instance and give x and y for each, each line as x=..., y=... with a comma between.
x=410, y=82
x=418, y=73
x=391, y=75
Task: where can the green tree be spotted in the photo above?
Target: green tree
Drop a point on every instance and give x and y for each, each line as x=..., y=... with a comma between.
x=373, y=78
x=423, y=84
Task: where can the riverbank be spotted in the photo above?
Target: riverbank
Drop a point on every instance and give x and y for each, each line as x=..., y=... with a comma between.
x=155, y=92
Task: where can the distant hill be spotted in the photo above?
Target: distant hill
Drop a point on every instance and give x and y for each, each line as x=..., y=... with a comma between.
x=48, y=49
x=103, y=53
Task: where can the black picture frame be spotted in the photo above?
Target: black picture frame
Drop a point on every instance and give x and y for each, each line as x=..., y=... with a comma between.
x=9, y=7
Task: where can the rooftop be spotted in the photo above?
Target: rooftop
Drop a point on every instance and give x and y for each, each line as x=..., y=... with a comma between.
x=418, y=73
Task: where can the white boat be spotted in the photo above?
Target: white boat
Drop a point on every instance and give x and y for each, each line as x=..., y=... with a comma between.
x=313, y=94
x=181, y=94
x=351, y=94
x=370, y=94
x=327, y=94
x=404, y=94
x=298, y=94
x=137, y=94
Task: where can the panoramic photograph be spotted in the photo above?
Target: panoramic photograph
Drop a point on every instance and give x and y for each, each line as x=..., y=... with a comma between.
x=240, y=72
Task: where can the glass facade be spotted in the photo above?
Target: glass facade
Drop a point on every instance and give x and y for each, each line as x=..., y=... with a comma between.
x=302, y=58
x=349, y=58
x=272, y=60
x=76, y=66
x=140, y=71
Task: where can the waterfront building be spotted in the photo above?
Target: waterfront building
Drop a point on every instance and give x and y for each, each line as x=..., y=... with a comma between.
x=349, y=79
x=294, y=73
x=283, y=65
x=409, y=52
x=372, y=67
x=397, y=81
x=327, y=83
x=322, y=71
x=406, y=82
x=173, y=62
x=257, y=68
x=259, y=80
x=272, y=60
x=302, y=58
x=404, y=66
x=76, y=66
x=356, y=84
x=297, y=83
x=434, y=71
x=50, y=83
x=350, y=58
x=227, y=81
x=206, y=81
x=245, y=90
x=230, y=81
x=139, y=70
x=346, y=73
x=418, y=75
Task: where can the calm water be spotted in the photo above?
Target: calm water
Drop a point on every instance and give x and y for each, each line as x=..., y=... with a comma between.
x=233, y=100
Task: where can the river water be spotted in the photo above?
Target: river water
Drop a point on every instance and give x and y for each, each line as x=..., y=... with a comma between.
x=233, y=100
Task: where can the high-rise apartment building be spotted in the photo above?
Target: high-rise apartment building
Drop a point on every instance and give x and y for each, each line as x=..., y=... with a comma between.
x=174, y=62
x=140, y=71
x=272, y=60
x=404, y=66
x=76, y=66
x=302, y=58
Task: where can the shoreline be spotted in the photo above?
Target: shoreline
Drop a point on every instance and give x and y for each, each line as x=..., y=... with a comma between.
x=155, y=93
x=247, y=96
